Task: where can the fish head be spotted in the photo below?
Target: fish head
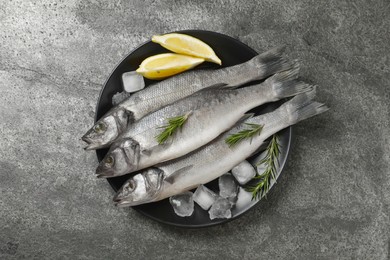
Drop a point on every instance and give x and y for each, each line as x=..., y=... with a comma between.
x=122, y=158
x=107, y=129
x=141, y=188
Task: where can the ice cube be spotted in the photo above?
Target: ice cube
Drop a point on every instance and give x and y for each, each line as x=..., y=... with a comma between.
x=204, y=197
x=243, y=199
x=261, y=167
x=220, y=209
x=132, y=81
x=233, y=200
x=183, y=204
x=243, y=172
x=119, y=97
x=227, y=186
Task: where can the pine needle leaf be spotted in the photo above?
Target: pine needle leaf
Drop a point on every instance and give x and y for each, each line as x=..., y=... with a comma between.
x=263, y=181
x=250, y=132
x=173, y=125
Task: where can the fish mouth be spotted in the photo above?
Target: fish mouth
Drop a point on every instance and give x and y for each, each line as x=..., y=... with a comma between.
x=89, y=144
x=122, y=203
x=119, y=202
x=103, y=173
x=102, y=176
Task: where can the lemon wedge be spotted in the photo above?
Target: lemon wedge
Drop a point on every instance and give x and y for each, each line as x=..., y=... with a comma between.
x=188, y=45
x=167, y=64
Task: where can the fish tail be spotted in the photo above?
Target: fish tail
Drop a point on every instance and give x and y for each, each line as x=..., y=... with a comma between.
x=302, y=107
x=285, y=84
x=271, y=62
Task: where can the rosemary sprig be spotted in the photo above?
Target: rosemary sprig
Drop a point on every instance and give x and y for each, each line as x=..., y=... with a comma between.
x=253, y=129
x=173, y=125
x=263, y=181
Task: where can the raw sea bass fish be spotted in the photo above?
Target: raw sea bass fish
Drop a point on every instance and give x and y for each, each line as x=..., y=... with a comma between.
x=152, y=98
x=213, y=159
x=210, y=112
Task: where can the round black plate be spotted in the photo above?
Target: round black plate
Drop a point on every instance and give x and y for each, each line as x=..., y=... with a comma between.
x=231, y=52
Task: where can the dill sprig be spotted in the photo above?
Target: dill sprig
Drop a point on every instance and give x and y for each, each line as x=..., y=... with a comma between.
x=173, y=125
x=253, y=129
x=263, y=181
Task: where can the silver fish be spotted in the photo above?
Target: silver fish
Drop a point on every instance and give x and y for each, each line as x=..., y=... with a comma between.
x=152, y=98
x=214, y=159
x=210, y=112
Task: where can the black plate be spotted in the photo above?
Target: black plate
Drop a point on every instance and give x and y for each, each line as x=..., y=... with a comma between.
x=231, y=52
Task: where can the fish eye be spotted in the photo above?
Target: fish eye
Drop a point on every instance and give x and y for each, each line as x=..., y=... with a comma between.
x=131, y=185
x=109, y=160
x=101, y=127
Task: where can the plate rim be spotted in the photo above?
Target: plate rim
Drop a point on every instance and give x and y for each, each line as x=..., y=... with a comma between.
x=219, y=221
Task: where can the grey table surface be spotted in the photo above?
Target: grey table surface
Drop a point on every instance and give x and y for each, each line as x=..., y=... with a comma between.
x=332, y=201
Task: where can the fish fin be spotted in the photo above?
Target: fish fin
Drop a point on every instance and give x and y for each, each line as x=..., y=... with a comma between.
x=271, y=62
x=274, y=52
x=311, y=110
x=284, y=84
x=174, y=176
x=302, y=107
x=286, y=75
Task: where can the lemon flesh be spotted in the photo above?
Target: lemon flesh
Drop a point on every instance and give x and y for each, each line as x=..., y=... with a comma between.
x=188, y=45
x=167, y=64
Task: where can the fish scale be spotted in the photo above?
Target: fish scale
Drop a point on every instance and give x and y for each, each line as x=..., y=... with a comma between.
x=165, y=92
x=175, y=88
x=210, y=112
x=214, y=159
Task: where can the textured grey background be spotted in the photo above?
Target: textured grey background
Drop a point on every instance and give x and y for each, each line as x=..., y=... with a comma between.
x=333, y=200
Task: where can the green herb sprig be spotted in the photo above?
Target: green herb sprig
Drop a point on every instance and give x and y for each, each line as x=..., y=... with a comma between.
x=173, y=125
x=263, y=181
x=254, y=129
